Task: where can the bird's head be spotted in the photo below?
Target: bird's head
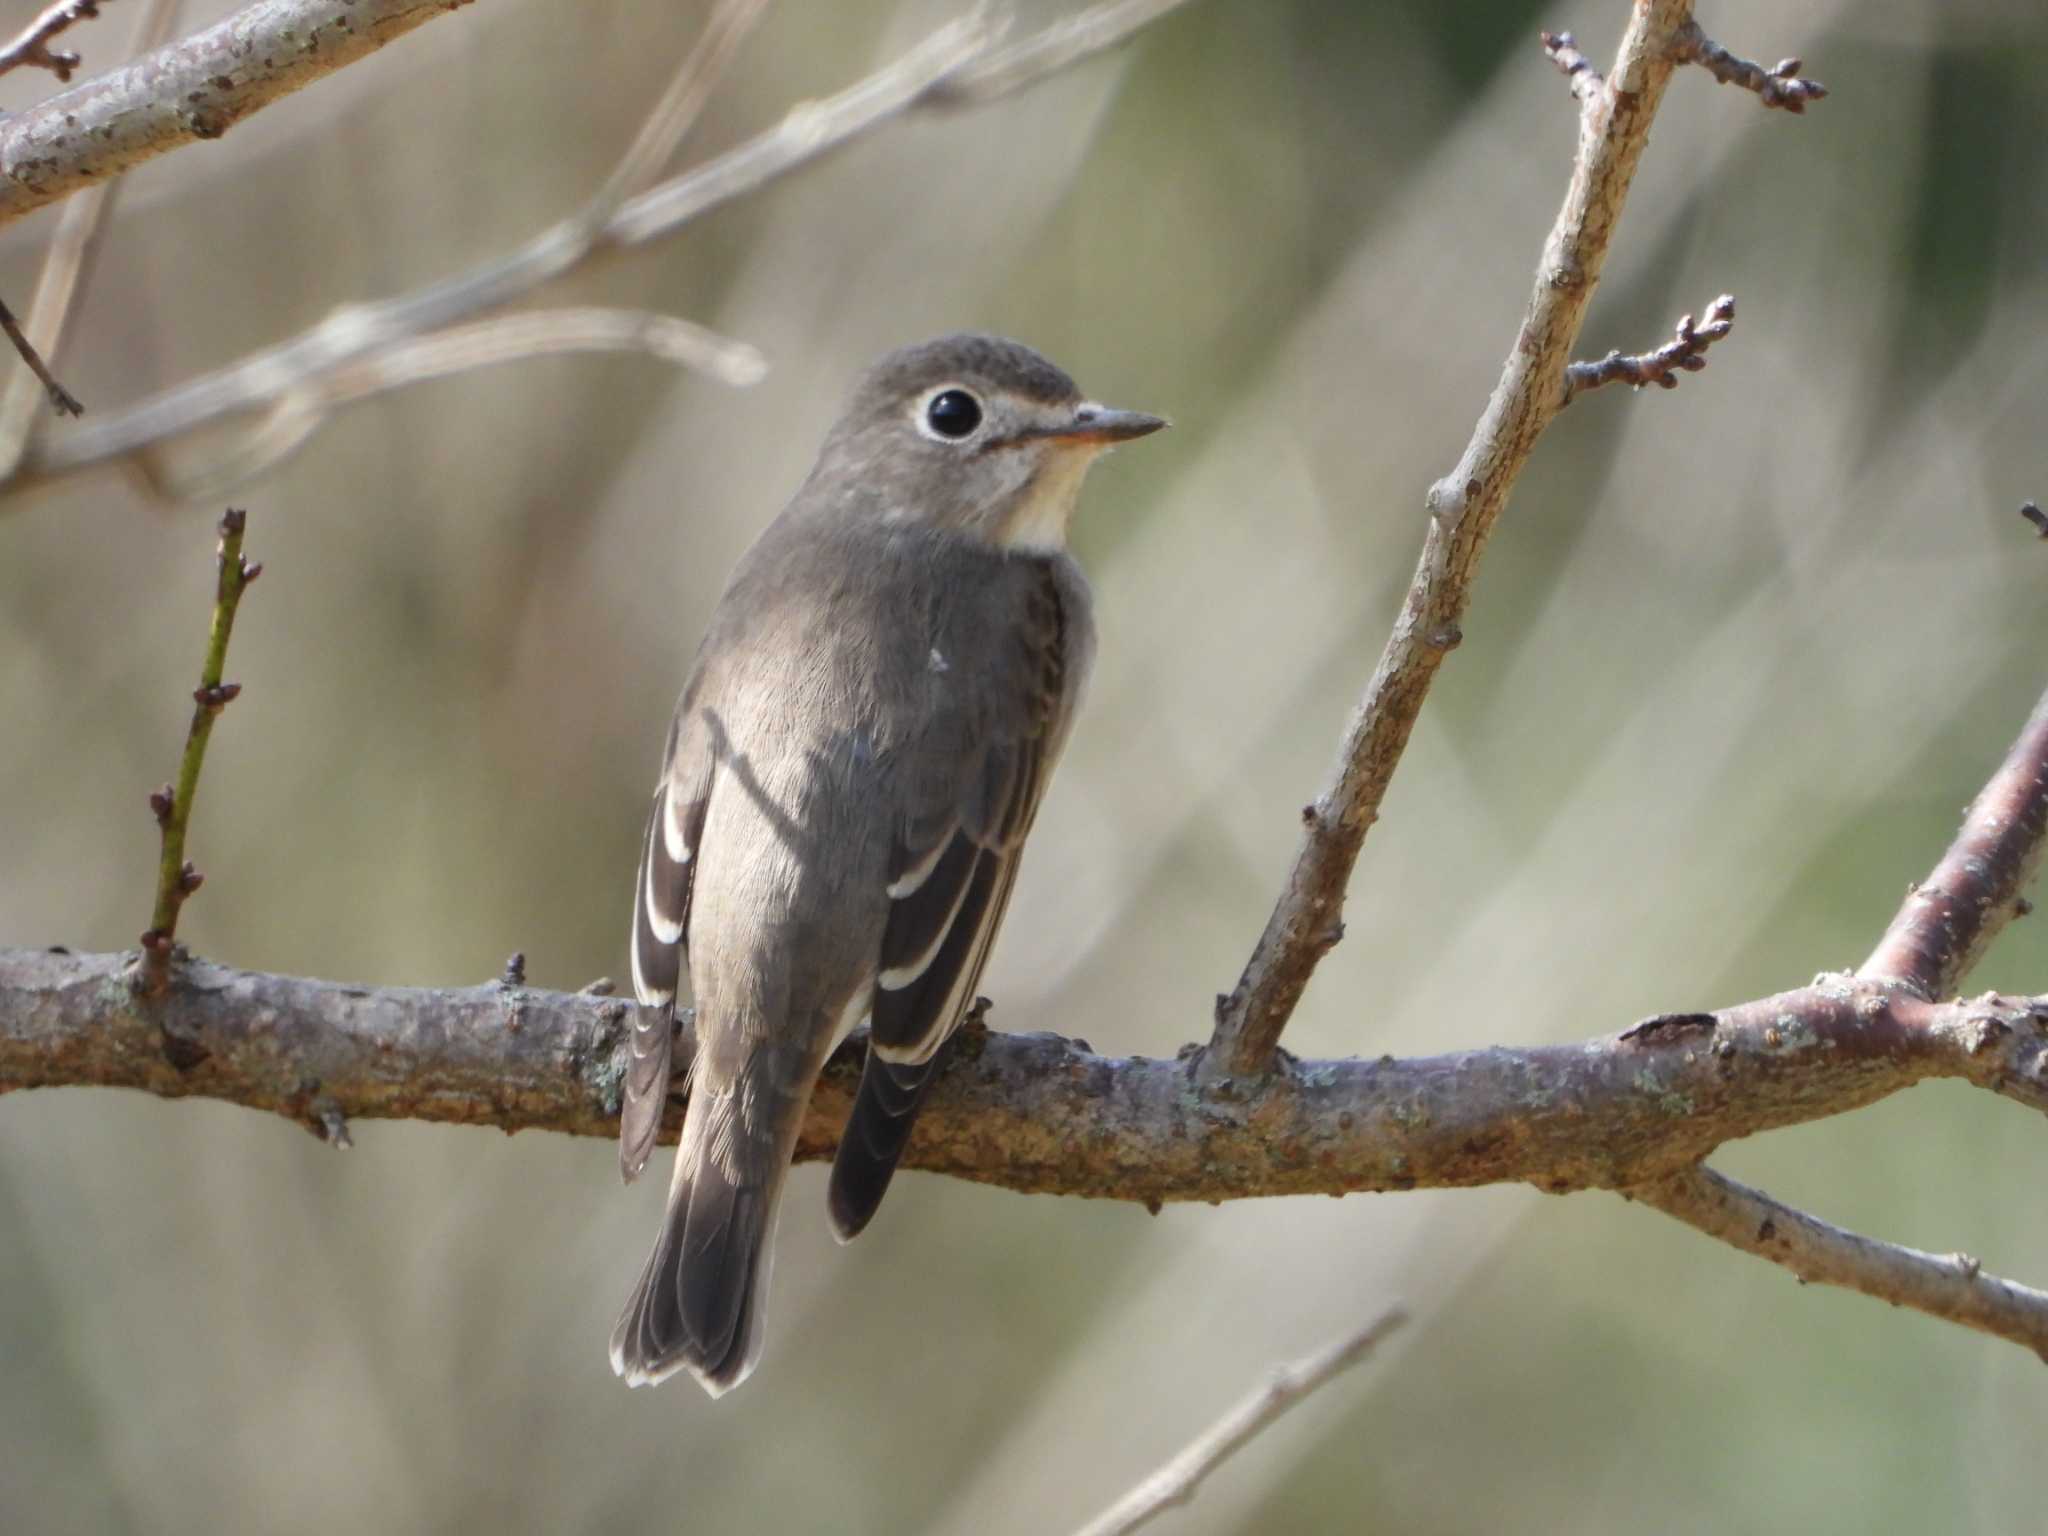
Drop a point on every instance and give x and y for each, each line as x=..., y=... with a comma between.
x=977, y=434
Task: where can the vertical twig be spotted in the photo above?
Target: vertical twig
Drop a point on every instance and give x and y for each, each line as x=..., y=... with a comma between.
x=1307, y=920
x=176, y=877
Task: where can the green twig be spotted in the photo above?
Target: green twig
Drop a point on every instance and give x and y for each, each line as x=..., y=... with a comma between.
x=177, y=878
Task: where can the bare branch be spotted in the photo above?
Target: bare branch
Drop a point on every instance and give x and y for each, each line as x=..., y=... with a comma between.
x=196, y=88
x=1685, y=352
x=1307, y=920
x=65, y=270
x=1979, y=886
x=176, y=878
x=1950, y=1286
x=915, y=81
x=1038, y=1113
x=1779, y=86
x=61, y=399
x=31, y=47
x=1175, y=1483
x=1563, y=49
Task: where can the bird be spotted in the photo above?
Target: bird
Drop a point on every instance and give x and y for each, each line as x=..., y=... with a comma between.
x=857, y=756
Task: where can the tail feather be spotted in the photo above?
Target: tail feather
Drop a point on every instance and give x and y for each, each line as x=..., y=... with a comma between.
x=884, y=1110
x=699, y=1304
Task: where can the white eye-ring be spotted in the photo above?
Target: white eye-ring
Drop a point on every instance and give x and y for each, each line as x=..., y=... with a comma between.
x=951, y=413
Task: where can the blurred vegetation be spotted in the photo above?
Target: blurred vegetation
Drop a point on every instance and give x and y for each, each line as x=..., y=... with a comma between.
x=1739, y=656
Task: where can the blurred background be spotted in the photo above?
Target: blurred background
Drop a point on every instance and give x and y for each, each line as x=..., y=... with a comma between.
x=1739, y=656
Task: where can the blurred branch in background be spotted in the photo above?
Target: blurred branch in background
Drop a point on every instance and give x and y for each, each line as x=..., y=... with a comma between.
x=509, y=338
x=1175, y=1483
x=177, y=878
x=962, y=64
x=1535, y=384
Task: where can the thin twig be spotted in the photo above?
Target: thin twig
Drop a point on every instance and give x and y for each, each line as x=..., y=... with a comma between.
x=61, y=399
x=911, y=83
x=1578, y=70
x=1175, y=1483
x=1779, y=86
x=176, y=877
x=67, y=267
x=31, y=46
x=1951, y=1286
x=1685, y=352
x=1951, y=917
x=1307, y=920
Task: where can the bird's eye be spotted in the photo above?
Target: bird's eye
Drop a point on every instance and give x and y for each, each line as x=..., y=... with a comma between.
x=953, y=413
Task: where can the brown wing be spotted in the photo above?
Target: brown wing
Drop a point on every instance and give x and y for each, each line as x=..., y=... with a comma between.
x=661, y=917
x=956, y=849
x=951, y=870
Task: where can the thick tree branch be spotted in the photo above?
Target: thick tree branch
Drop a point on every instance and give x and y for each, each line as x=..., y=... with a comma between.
x=1039, y=1113
x=962, y=64
x=1307, y=921
x=196, y=88
x=1951, y=1286
x=1175, y=1483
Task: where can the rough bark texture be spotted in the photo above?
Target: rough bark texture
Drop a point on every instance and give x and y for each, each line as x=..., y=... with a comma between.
x=1978, y=887
x=195, y=88
x=1038, y=1112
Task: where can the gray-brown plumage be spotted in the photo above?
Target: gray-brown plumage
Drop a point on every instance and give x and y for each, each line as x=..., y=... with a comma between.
x=854, y=764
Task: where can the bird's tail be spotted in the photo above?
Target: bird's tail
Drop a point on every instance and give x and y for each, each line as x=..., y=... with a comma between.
x=877, y=1130
x=699, y=1303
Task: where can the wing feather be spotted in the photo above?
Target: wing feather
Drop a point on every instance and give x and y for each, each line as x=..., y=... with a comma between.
x=661, y=915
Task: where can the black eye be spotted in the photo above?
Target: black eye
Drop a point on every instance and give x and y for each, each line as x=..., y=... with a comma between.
x=953, y=413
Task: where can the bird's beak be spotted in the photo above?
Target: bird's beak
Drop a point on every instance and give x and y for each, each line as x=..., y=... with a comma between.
x=1101, y=425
